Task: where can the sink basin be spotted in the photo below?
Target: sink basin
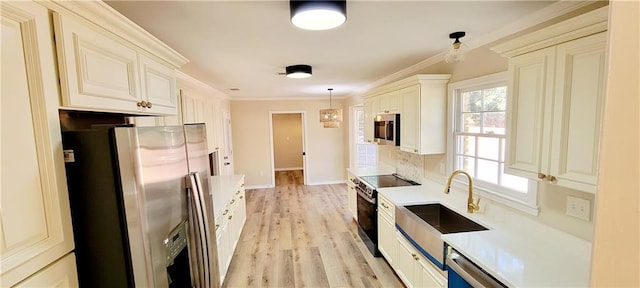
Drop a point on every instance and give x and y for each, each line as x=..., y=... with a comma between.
x=443, y=219
x=425, y=224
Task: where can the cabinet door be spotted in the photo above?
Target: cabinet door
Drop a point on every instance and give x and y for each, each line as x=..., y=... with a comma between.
x=97, y=72
x=368, y=120
x=406, y=261
x=389, y=102
x=387, y=243
x=428, y=276
x=189, y=107
x=158, y=84
x=62, y=273
x=579, y=90
x=410, y=119
x=35, y=222
x=530, y=90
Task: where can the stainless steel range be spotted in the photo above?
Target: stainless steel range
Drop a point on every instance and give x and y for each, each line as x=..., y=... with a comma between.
x=366, y=187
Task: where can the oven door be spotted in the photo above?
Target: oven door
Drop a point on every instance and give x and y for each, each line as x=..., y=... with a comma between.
x=368, y=221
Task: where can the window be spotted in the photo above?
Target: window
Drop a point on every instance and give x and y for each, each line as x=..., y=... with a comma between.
x=366, y=154
x=479, y=138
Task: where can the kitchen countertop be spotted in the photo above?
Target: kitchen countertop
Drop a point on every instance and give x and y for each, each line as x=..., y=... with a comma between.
x=222, y=189
x=518, y=254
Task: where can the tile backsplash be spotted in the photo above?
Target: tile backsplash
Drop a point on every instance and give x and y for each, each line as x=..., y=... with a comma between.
x=410, y=165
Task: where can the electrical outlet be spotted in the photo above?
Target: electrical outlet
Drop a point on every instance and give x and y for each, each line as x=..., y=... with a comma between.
x=578, y=207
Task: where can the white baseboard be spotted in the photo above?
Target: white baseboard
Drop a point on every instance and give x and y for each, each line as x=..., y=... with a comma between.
x=289, y=169
x=260, y=186
x=327, y=182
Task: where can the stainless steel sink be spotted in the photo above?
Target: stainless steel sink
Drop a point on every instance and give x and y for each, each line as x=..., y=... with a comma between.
x=425, y=224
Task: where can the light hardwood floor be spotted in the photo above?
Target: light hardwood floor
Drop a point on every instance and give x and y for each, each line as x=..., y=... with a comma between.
x=303, y=236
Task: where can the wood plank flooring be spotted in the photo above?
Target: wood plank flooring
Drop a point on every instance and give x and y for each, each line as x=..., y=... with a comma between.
x=303, y=236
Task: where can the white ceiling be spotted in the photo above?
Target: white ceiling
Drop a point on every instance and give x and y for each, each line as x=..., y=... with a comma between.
x=245, y=44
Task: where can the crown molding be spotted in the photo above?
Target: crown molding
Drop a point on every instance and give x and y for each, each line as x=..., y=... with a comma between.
x=545, y=14
x=104, y=16
x=188, y=82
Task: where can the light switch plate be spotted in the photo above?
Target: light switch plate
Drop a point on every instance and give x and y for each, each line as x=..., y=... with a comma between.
x=579, y=208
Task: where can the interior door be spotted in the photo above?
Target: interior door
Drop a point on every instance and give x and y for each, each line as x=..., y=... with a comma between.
x=227, y=153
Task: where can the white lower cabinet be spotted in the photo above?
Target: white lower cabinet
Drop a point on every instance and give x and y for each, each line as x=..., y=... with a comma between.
x=352, y=196
x=61, y=273
x=229, y=226
x=387, y=243
x=414, y=269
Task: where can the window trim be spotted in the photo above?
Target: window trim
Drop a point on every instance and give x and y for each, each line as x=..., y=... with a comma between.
x=527, y=203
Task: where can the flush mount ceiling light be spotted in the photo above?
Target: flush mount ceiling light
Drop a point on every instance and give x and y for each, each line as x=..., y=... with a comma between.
x=330, y=118
x=318, y=14
x=456, y=53
x=298, y=71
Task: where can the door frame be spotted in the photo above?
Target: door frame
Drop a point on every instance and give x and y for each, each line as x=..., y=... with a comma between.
x=303, y=115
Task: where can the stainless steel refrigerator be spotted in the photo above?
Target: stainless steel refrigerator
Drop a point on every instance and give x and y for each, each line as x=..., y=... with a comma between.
x=141, y=206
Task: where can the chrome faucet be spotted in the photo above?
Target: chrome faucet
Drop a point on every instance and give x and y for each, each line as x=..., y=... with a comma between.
x=470, y=206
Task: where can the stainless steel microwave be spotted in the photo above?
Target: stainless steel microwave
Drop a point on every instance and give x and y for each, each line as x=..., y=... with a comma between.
x=386, y=129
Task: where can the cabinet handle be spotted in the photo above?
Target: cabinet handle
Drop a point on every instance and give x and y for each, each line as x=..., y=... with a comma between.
x=552, y=178
x=237, y=192
x=141, y=104
x=230, y=216
x=415, y=257
x=149, y=105
x=225, y=212
x=541, y=176
x=217, y=226
x=233, y=201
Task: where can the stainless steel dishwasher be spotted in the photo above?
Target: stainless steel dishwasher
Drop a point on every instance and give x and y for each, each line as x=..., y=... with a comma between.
x=463, y=273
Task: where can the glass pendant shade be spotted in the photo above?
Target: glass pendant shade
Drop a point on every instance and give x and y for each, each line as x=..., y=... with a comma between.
x=330, y=118
x=318, y=14
x=457, y=51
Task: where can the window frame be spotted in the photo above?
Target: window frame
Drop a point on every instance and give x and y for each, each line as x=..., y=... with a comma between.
x=526, y=202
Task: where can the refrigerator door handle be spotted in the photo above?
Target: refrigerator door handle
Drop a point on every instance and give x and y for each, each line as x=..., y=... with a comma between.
x=198, y=202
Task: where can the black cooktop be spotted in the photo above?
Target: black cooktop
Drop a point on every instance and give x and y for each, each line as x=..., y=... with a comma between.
x=382, y=181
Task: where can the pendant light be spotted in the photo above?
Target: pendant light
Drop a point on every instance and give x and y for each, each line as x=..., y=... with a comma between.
x=456, y=53
x=298, y=71
x=330, y=118
x=318, y=14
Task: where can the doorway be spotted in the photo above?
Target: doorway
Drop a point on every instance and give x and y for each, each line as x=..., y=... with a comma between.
x=288, y=146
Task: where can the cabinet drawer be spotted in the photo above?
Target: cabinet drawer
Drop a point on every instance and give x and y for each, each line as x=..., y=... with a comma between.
x=386, y=207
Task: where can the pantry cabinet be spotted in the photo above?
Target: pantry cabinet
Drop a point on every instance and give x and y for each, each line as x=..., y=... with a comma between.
x=35, y=219
x=369, y=115
x=555, y=103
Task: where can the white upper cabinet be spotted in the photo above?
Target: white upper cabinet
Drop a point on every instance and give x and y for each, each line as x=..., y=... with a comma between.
x=158, y=86
x=423, y=117
x=421, y=102
x=389, y=103
x=556, y=96
x=102, y=71
x=35, y=219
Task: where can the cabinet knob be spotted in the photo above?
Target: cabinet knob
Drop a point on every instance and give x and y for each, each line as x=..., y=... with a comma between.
x=225, y=212
x=230, y=216
x=149, y=105
x=552, y=178
x=141, y=104
x=240, y=197
x=415, y=150
x=233, y=201
x=541, y=176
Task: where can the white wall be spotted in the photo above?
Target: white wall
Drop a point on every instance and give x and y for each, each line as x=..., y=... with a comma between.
x=287, y=141
x=252, y=150
x=616, y=244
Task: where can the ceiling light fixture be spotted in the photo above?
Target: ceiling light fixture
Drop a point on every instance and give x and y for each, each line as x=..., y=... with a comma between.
x=318, y=14
x=330, y=118
x=298, y=71
x=456, y=53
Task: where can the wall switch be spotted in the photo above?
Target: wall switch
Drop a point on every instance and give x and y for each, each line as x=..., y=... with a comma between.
x=579, y=208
